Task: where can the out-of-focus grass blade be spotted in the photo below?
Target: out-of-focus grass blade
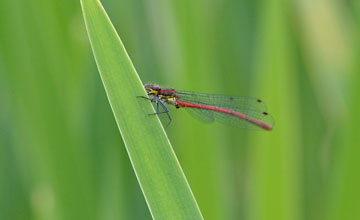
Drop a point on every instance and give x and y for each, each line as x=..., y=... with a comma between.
x=159, y=174
x=343, y=191
x=275, y=162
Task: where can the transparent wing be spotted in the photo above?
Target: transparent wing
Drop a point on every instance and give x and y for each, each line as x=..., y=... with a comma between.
x=252, y=108
x=211, y=116
x=241, y=123
x=228, y=102
x=202, y=115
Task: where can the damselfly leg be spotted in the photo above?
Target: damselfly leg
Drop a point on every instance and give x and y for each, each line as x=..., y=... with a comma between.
x=158, y=102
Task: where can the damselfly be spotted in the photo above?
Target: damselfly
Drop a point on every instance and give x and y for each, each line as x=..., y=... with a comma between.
x=244, y=112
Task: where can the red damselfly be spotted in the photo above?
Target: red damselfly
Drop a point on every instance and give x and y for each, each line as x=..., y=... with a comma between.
x=244, y=112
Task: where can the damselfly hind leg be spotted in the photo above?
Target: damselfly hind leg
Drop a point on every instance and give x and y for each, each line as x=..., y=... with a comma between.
x=166, y=111
x=158, y=102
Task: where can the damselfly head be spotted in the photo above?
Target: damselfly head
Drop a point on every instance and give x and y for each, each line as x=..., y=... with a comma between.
x=152, y=89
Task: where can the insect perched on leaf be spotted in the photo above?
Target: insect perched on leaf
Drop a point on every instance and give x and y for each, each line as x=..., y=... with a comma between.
x=243, y=112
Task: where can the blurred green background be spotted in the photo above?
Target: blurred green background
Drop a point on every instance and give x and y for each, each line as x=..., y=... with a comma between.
x=61, y=154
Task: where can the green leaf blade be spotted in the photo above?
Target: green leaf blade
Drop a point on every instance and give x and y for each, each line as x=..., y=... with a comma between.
x=160, y=176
